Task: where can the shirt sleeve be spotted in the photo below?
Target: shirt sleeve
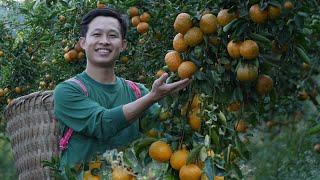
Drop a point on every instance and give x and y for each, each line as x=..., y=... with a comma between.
x=77, y=111
x=150, y=117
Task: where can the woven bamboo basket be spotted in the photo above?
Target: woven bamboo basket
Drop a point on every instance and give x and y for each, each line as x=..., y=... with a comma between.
x=33, y=133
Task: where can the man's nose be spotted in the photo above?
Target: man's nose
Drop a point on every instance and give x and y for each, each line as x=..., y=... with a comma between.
x=105, y=39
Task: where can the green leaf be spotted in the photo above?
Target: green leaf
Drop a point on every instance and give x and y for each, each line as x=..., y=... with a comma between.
x=194, y=154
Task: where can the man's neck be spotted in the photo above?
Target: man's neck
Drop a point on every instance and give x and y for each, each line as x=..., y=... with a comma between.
x=102, y=75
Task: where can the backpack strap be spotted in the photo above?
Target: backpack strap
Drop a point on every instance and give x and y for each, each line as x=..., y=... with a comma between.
x=64, y=141
x=134, y=88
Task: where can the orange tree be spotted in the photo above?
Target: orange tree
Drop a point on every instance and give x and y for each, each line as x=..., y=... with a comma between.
x=252, y=63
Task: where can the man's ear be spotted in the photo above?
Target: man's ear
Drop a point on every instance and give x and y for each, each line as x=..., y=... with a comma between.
x=82, y=41
x=124, y=45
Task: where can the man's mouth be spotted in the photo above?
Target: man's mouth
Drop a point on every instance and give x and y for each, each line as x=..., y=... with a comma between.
x=103, y=51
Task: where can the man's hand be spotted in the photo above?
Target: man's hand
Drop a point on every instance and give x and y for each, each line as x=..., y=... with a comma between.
x=160, y=88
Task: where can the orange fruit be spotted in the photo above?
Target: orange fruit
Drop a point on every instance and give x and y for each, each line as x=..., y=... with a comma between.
x=88, y=176
x=182, y=23
x=179, y=159
x=6, y=90
x=193, y=36
x=303, y=95
x=249, y=49
x=186, y=69
x=276, y=48
x=196, y=102
x=179, y=43
x=145, y=17
x=62, y=18
x=183, y=110
x=247, y=73
x=219, y=178
x=124, y=59
x=233, y=107
x=160, y=151
x=190, y=172
x=194, y=120
x=133, y=11
x=159, y=73
x=233, y=49
x=67, y=57
x=241, y=126
x=18, y=90
x=152, y=133
x=274, y=12
x=264, y=84
x=1, y=53
x=81, y=55
x=209, y=24
x=77, y=47
x=305, y=66
x=224, y=17
x=215, y=40
x=164, y=115
x=142, y=27
x=94, y=165
x=101, y=5
x=257, y=15
x=73, y=54
x=2, y=92
x=288, y=5
x=120, y=173
x=173, y=60
x=135, y=21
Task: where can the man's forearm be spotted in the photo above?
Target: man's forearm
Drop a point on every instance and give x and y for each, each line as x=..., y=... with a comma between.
x=136, y=108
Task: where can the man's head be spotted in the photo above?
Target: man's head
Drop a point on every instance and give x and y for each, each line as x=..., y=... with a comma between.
x=103, y=36
x=103, y=12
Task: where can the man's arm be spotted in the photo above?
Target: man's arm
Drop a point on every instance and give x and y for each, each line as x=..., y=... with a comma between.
x=159, y=90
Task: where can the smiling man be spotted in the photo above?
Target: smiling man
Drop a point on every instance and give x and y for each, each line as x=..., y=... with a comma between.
x=99, y=110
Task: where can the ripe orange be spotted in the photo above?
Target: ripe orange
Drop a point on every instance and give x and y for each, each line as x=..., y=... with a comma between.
x=159, y=73
x=2, y=92
x=145, y=17
x=224, y=17
x=249, y=49
x=62, y=18
x=81, y=55
x=247, y=73
x=18, y=90
x=120, y=173
x=73, y=54
x=303, y=95
x=179, y=159
x=234, y=49
x=186, y=69
x=124, y=59
x=274, y=12
x=77, y=47
x=190, y=172
x=205, y=177
x=160, y=151
x=6, y=90
x=152, y=133
x=219, y=178
x=88, y=176
x=317, y=148
x=94, y=165
x=182, y=23
x=194, y=120
x=173, y=60
x=241, y=126
x=67, y=57
x=264, y=84
x=1, y=53
x=305, y=66
x=179, y=43
x=276, y=48
x=209, y=24
x=142, y=27
x=288, y=5
x=101, y=5
x=257, y=15
x=234, y=106
x=193, y=36
x=133, y=11
x=135, y=21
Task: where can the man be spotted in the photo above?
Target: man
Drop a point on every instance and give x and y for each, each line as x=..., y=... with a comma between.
x=108, y=117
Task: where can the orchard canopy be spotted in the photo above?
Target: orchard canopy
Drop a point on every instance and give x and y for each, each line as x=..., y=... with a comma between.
x=254, y=66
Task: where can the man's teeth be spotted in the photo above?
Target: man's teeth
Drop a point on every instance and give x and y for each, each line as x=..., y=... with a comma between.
x=102, y=50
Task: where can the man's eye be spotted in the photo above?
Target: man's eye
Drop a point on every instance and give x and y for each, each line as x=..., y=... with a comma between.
x=113, y=35
x=96, y=34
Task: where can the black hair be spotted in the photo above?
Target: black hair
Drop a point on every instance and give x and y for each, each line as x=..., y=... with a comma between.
x=104, y=12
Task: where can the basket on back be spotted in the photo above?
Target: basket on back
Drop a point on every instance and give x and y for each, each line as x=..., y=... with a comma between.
x=33, y=133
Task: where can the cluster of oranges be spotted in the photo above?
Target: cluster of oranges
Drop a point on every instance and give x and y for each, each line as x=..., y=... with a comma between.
x=139, y=21
x=77, y=53
x=162, y=152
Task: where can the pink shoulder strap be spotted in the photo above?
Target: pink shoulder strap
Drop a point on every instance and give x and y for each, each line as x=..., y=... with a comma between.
x=134, y=88
x=64, y=141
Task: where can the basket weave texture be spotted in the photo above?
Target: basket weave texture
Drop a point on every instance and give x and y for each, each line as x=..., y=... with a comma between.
x=33, y=133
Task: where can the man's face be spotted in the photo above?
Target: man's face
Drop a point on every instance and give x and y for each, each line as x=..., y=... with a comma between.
x=103, y=42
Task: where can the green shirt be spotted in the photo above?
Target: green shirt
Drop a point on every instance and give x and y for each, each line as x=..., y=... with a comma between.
x=98, y=121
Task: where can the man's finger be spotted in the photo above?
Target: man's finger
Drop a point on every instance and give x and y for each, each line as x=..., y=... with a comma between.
x=178, y=83
x=178, y=88
x=162, y=79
